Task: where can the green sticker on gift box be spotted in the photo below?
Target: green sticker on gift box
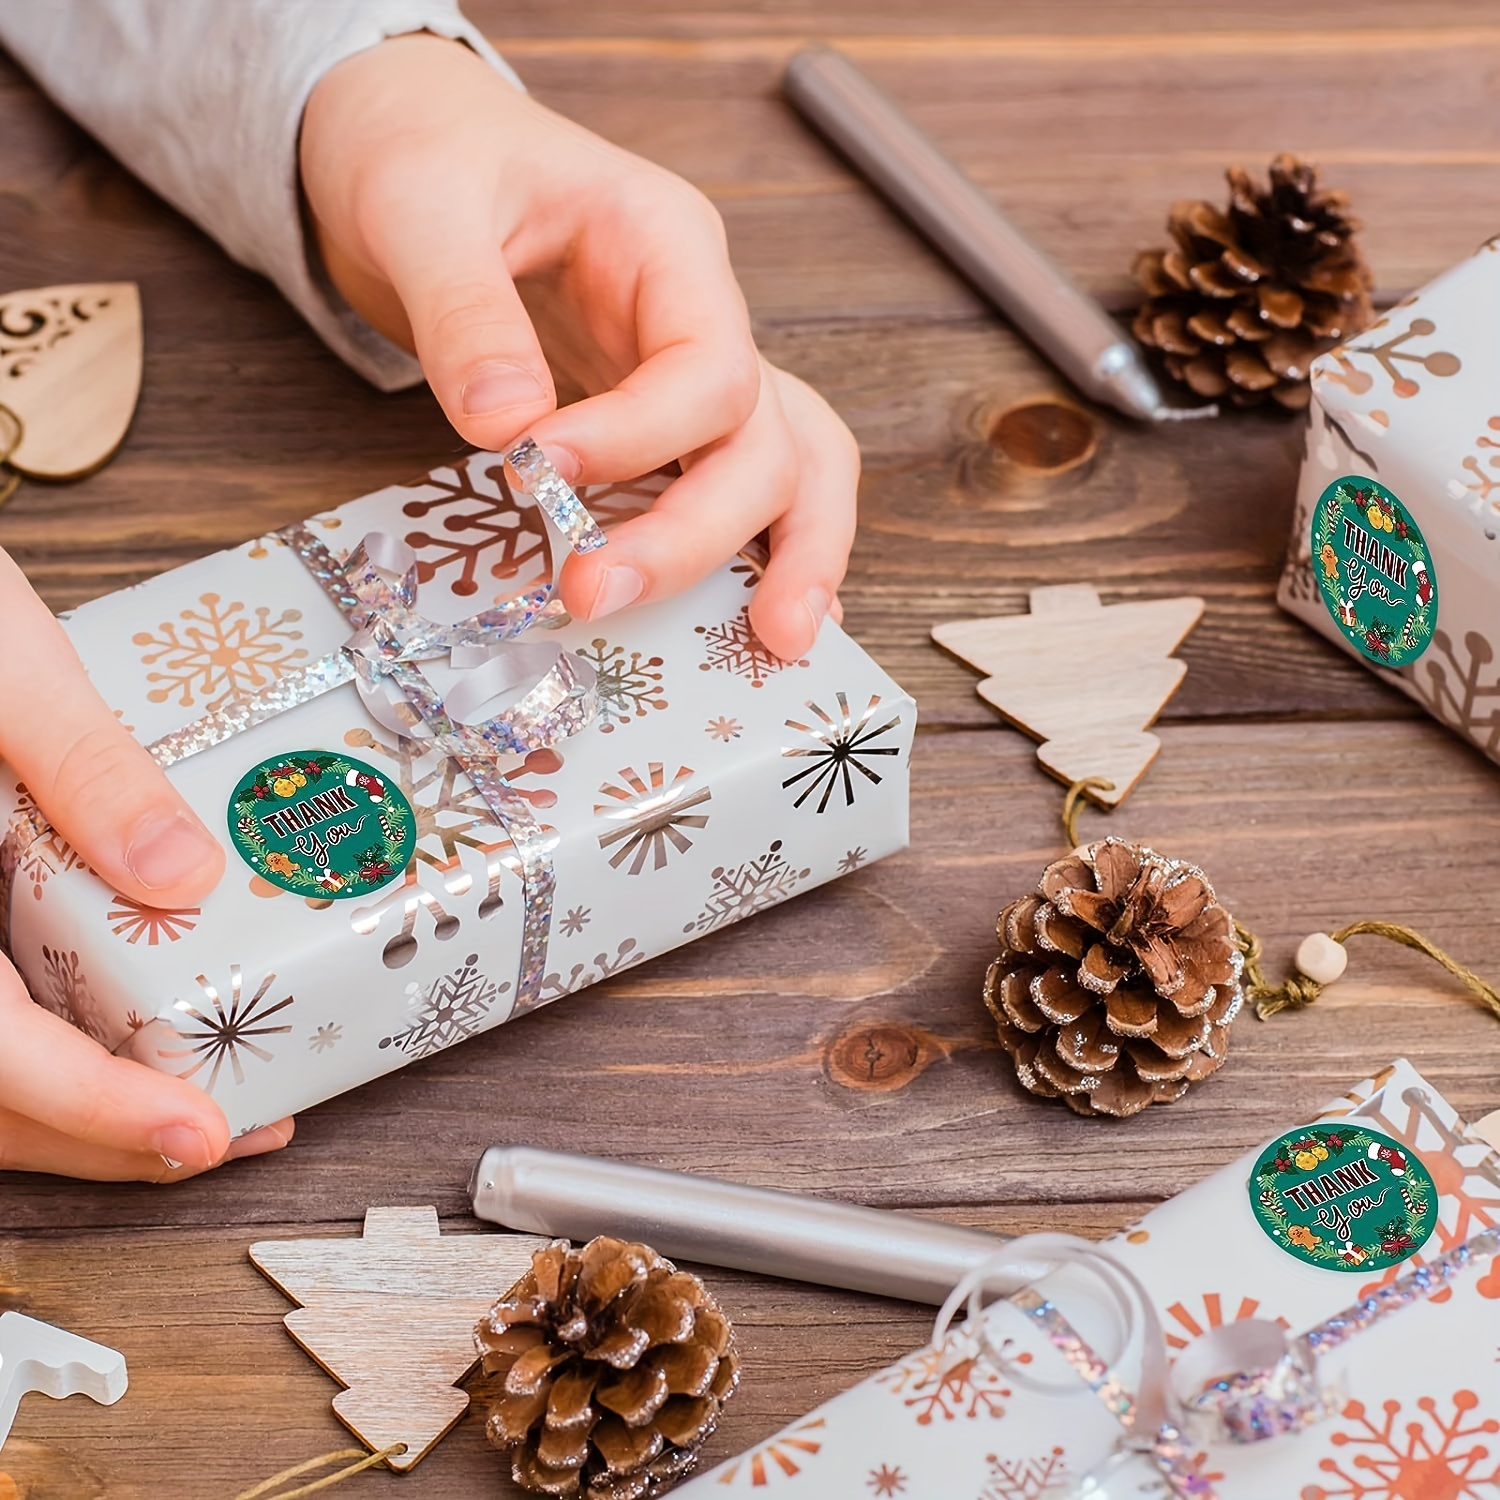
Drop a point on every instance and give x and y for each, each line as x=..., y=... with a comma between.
x=321, y=825
x=1374, y=570
x=1344, y=1198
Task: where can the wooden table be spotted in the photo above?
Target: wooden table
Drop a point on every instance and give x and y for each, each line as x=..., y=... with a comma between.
x=837, y=1045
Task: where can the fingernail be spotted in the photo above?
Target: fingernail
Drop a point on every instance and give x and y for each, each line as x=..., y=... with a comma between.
x=565, y=461
x=183, y=1146
x=168, y=850
x=258, y=1142
x=618, y=587
x=816, y=600
x=498, y=385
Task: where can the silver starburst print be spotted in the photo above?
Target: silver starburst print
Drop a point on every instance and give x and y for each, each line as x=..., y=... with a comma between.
x=841, y=746
x=216, y=1034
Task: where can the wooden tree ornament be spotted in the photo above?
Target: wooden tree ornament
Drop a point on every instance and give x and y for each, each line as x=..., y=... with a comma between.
x=35, y=1356
x=1083, y=677
x=391, y=1317
x=70, y=374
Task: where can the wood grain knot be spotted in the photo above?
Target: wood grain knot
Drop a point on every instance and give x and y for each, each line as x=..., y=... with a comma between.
x=881, y=1056
x=1045, y=436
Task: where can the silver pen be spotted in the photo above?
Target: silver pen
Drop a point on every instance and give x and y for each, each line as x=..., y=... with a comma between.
x=1066, y=324
x=687, y=1217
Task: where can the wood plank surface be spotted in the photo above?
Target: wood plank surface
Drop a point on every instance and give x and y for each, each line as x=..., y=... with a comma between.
x=836, y=1045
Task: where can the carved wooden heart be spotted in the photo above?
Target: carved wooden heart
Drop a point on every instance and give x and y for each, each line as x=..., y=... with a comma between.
x=70, y=370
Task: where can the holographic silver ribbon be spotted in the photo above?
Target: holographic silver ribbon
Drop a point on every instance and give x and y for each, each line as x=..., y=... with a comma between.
x=552, y=693
x=1243, y=1382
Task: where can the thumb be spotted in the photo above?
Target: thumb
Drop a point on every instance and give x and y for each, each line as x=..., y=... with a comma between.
x=471, y=331
x=91, y=779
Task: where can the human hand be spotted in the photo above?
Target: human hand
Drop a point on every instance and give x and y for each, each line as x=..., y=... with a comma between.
x=66, y=1105
x=466, y=221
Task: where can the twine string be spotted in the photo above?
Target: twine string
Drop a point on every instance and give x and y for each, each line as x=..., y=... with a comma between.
x=1073, y=804
x=1299, y=991
x=365, y=1461
x=10, y=479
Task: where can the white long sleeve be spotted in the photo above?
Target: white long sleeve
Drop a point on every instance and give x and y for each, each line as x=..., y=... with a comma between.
x=203, y=100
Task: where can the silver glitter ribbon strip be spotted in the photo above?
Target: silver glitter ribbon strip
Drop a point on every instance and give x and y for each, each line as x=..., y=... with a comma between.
x=531, y=472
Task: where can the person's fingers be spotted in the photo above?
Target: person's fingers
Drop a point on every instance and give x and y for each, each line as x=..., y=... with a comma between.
x=266, y=1138
x=93, y=781
x=810, y=541
x=26, y=1146
x=698, y=376
x=736, y=490
x=61, y=1079
x=471, y=332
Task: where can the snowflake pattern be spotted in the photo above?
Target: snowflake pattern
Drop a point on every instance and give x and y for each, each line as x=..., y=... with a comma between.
x=575, y=921
x=216, y=1035
x=723, y=730
x=1439, y=363
x=650, y=816
x=484, y=528
x=840, y=744
x=1422, y=1460
x=888, y=1479
x=326, y=1038
x=1023, y=1478
x=626, y=956
x=65, y=992
x=628, y=685
x=450, y=816
x=747, y=889
x=134, y=920
x=853, y=860
x=734, y=647
x=451, y=1009
x=1212, y=1316
x=950, y=1381
x=219, y=652
x=1465, y=696
x=42, y=854
x=788, y=1451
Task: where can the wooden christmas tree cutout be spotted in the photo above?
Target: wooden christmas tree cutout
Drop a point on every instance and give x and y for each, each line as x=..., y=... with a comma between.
x=70, y=373
x=391, y=1316
x=1083, y=677
x=35, y=1356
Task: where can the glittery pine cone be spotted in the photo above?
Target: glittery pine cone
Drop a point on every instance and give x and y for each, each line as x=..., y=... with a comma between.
x=1249, y=296
x=612, y=1367
x=1117, y=981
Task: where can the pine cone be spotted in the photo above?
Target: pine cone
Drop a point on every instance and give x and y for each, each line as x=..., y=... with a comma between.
x=1116, y=983
x=615, y=1364
x=1249, y=297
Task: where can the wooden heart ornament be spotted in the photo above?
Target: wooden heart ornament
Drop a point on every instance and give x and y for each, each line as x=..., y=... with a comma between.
x=70, y=373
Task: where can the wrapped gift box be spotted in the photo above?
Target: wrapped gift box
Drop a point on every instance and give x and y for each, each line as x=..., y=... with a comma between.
x=715, y=782
x=1421, y=1408
x=1408, y=416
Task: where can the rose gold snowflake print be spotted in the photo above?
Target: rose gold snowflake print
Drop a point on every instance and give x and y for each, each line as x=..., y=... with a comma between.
x=1212, y=1316
x=1424, y=1459
x=44, y=853
x=219, y=652
x=852, y=860
x=626, y=956
x=133, y=920
x=1022, y=1478
x=472, y=530
x=650, y=815
x=950, y=1383
x=886, y=1480
x=629, y=683
x=1439, y=363
x=723, y=730
x=784, y=1455
x=734, y=647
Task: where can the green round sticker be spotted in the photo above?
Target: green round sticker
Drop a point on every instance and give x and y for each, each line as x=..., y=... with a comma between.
x=321, y=825
x=1374, y=569
x=1344, y=1198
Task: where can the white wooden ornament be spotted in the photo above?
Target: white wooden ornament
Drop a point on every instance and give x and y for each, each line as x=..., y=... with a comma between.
x=70, y=370
x=35, y=1356
x=1083, y=677
x=391, y=1316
